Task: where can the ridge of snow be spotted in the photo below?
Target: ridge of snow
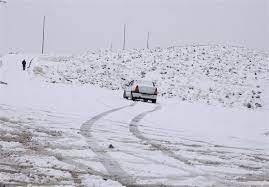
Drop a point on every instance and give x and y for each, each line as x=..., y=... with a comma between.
x=228, y=76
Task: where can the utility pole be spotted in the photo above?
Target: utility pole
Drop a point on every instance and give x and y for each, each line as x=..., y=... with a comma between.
x=148, y=41
x=5, y=38
x=43, y=34
x=111, y=47
x=124, y=35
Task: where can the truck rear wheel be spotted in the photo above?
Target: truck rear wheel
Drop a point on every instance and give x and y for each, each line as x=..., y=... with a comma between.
x=124, y=95
x=132, y=98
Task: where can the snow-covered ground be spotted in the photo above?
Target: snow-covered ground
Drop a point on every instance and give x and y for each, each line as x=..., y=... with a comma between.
x=79, y=134
x=216, y=75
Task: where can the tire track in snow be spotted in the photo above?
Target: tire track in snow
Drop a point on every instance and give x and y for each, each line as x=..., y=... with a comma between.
x=133, y=127
x=112, y=166
x=24, y=135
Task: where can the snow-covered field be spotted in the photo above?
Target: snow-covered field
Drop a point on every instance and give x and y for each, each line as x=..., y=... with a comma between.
x=215, y=75
x=59, y=128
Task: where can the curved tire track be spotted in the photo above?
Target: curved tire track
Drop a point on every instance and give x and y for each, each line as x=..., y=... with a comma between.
x=133, y=127
x=112, y=166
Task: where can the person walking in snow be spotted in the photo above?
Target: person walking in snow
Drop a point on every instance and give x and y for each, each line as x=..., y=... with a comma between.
x=23, y=64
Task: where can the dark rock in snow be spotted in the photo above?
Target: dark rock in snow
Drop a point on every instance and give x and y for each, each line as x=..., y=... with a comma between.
x=258, y=105
x=248, y=105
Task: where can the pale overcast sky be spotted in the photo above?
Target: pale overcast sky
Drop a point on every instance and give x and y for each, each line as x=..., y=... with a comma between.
x=79, y=25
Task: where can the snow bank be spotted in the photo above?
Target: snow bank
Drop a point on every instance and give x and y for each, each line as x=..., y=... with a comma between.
x=216, y=75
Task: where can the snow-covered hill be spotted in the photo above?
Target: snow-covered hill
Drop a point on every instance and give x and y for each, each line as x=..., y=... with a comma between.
x=81, y=135
x=217, y=75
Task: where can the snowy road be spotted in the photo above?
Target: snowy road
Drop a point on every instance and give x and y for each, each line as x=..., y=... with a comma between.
x=158, y=152
x=112, y=166
x=65, y=135
x=34, y=153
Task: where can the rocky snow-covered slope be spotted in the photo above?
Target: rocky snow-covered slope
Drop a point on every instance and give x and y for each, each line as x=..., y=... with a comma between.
x=217, y=75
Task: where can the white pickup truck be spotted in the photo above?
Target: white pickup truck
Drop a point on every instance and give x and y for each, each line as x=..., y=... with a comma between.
x=140, y=89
